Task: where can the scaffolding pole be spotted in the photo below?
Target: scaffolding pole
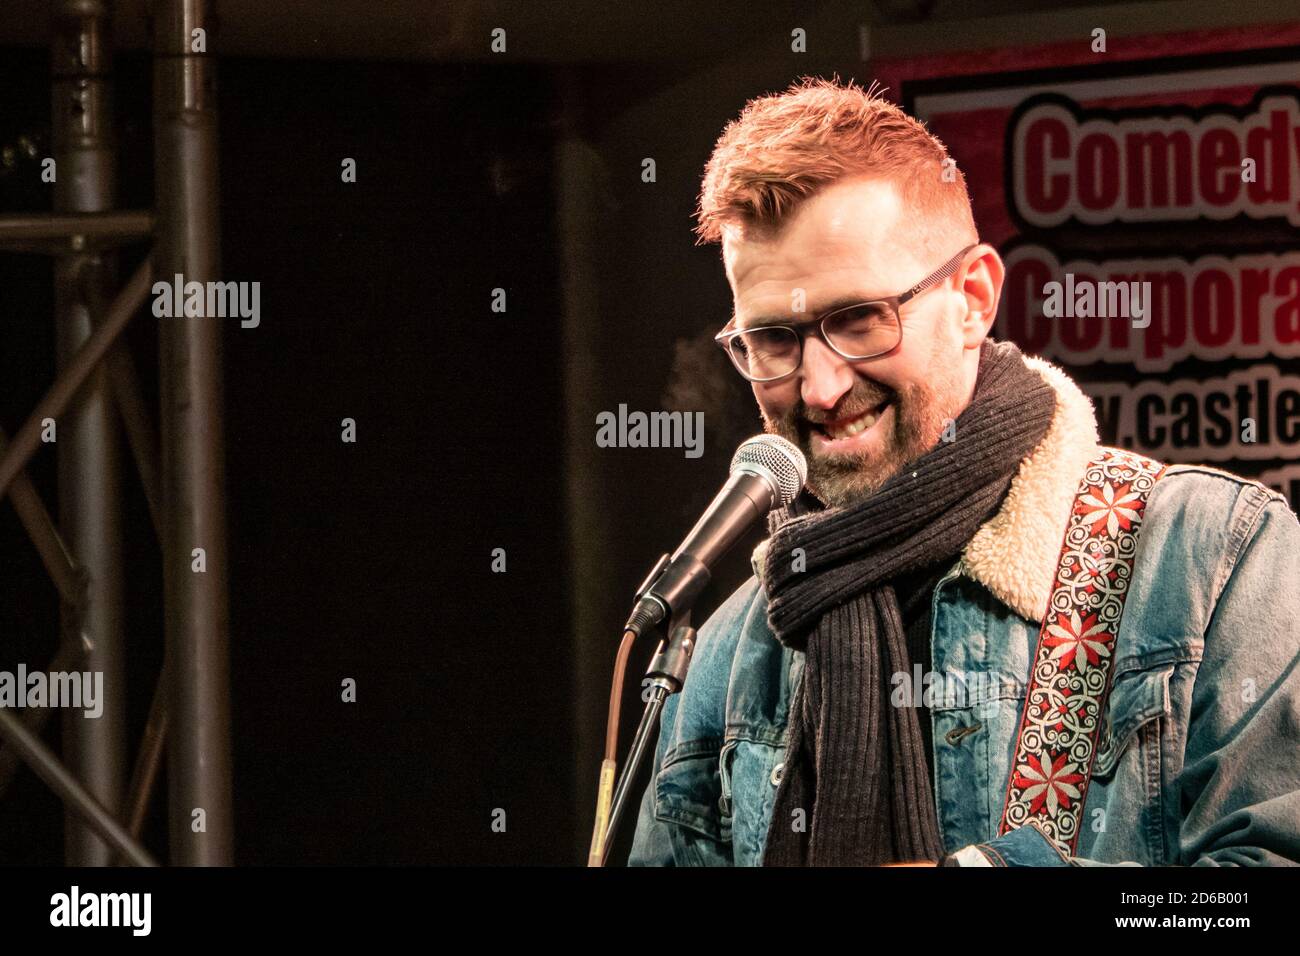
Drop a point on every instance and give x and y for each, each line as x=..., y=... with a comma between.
x=193, y=461
x=88, y=438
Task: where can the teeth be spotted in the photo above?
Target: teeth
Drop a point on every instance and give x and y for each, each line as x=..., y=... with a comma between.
x=860, y=424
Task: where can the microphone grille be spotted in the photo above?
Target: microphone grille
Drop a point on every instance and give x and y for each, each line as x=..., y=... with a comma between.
x=779, y=459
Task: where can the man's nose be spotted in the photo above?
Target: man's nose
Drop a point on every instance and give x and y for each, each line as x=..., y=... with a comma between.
x=826, y=375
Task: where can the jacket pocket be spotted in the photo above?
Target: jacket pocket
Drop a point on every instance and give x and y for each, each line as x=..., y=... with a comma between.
x=688, y=788
x=1137, y=698
x=752, y=770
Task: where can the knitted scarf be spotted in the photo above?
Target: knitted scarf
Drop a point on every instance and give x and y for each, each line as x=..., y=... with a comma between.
x=856, y=789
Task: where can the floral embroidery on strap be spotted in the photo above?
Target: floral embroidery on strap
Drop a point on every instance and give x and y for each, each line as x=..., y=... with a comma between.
x=1070, y=679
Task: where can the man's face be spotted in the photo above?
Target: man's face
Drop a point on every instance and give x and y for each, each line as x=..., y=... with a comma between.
x=857, y=423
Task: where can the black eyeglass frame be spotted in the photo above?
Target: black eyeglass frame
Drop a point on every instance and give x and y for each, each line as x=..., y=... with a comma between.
x=893, y=302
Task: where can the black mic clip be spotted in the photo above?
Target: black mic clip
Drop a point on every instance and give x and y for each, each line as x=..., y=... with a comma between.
x=672, y=585
x=646, y=611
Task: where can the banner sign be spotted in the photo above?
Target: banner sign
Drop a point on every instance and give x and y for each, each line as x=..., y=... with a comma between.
x=1148, y=211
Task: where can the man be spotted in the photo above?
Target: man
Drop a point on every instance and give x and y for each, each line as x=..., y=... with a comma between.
x=961, y=530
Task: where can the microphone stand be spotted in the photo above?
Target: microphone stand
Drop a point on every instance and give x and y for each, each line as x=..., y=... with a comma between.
x=765, y=471
x=667, y=673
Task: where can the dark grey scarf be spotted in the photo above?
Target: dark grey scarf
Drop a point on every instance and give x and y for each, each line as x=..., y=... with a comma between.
x=854, y=765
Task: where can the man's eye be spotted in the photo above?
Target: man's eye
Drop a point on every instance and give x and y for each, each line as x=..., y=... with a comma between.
x=758, y=344
x=768, y=338
x=864, y=318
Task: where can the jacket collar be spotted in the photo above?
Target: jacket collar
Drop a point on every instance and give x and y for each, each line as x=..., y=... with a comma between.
x=1014, y=553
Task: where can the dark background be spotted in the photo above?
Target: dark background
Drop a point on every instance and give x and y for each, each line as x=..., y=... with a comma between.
x=372, y=560
x=366, y=560
x=476, y=430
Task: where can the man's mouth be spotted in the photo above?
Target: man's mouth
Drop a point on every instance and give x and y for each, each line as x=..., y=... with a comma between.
x=847, y=428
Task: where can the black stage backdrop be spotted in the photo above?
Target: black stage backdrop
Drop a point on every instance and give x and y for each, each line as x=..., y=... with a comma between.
x=369, y=560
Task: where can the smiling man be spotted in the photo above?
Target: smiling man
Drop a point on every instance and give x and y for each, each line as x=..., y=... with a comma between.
x=846, y=245
x=1125, y=631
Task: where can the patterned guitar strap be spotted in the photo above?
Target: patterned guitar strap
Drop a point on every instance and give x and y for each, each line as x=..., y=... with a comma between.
x=1069, y=683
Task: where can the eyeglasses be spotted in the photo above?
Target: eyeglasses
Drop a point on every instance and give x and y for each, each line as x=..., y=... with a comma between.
x=770, y=352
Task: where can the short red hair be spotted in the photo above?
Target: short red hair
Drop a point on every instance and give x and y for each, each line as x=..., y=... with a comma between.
x=785, y=147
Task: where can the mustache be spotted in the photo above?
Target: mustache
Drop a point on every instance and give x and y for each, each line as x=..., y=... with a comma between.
x=845, y=410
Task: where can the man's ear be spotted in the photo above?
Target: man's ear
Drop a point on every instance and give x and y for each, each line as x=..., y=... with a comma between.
x=982, y=285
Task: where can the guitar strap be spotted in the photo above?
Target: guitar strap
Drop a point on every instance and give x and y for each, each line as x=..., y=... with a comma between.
x=1069, y=682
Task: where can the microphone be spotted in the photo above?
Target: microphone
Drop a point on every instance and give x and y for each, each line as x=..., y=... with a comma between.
x=766, y=471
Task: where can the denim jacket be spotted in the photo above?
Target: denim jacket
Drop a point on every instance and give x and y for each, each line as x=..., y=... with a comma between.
x=1198, y=762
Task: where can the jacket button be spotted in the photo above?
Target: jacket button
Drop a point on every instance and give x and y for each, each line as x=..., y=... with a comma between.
x=955, y=735
x=778, y=772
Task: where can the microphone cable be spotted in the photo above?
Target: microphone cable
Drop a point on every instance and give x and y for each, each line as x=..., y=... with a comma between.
x=609, y=765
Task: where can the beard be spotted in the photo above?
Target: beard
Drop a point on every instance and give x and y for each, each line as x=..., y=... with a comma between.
x=921, y=411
